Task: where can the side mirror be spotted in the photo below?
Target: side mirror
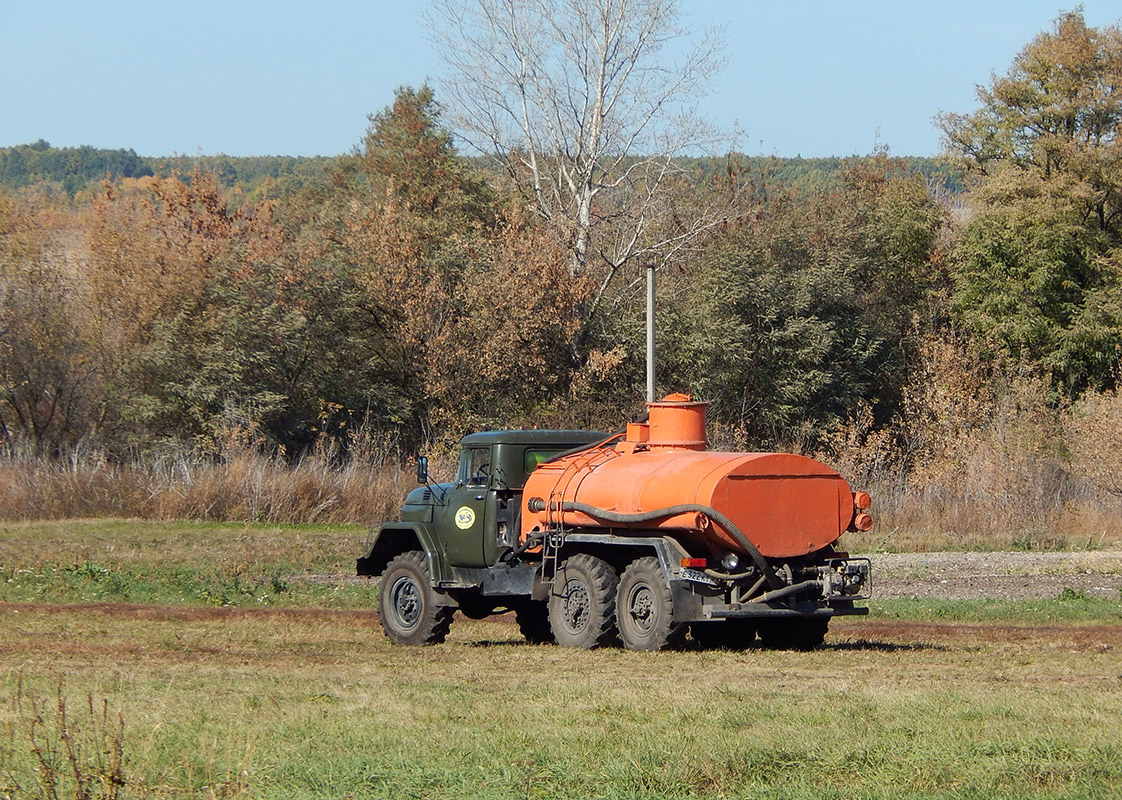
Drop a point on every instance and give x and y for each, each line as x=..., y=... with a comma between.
x=422, y=469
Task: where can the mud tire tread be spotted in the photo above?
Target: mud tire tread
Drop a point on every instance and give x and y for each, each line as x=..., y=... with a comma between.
x=600, y=581
x=408, y=574
x=664, y=632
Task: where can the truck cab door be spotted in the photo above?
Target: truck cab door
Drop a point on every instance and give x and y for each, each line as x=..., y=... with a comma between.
x=463, y=517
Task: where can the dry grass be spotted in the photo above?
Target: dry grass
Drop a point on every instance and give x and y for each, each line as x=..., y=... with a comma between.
x=1094, y=429
x=245, y=486
x=79, y=755
x=995, y=491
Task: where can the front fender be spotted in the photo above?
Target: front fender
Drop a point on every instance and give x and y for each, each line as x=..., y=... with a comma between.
x=385, y=542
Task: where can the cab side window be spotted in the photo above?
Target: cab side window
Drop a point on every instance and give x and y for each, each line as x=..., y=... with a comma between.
x=534, y=456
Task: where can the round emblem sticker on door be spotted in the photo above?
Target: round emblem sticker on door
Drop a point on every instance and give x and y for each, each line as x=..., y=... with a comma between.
x=465, y=517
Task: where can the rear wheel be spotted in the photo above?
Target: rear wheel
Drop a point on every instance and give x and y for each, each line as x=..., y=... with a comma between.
x=794, y=634
x=733, y=634
x=645, y=609
x=582, y=603
x=532, y=617
x=407, y=603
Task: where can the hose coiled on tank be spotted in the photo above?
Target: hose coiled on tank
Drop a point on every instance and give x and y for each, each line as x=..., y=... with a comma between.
x=538, y=504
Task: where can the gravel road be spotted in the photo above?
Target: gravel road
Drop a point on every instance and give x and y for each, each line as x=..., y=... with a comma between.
x=997, y=575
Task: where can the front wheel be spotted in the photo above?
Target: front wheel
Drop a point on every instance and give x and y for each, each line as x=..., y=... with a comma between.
x=407, y=603
x=645, y=609
x=582, y=603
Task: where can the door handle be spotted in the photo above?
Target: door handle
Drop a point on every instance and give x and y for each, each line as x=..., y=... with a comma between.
x=479, y=497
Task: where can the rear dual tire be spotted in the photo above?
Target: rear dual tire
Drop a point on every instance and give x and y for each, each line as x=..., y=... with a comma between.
x=645, y=609
x=591, y=606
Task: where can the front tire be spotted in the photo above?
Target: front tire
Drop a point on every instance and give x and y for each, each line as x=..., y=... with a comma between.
x=582, y=603
x=407, y=603
x=645, y=609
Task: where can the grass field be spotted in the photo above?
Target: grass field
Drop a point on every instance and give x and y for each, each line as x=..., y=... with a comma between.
x=179, y=563
x=285, y=689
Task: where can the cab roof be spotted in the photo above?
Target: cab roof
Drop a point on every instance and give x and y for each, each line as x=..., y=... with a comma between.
x=531, y=437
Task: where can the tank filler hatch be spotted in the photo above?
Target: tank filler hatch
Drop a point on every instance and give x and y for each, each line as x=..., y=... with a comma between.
x=676, y=421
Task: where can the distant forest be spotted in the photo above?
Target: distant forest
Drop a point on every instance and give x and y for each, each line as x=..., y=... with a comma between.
x=74, y=169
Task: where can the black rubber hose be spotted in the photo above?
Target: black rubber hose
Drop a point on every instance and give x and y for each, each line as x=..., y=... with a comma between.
x=794, y=588
x=510, y=555
x=670, y=511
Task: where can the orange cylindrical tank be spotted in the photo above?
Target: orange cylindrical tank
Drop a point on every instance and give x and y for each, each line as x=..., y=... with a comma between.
x=787, y=505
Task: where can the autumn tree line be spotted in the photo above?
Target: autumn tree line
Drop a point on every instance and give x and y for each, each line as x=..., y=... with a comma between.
x=955, y=349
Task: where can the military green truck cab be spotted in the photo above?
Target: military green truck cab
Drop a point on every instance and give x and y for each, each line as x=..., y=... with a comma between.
x=451, y=548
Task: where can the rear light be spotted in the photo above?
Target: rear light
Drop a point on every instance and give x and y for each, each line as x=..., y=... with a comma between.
x=695, y=563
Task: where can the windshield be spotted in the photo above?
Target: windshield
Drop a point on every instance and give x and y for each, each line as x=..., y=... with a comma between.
x=475, y=467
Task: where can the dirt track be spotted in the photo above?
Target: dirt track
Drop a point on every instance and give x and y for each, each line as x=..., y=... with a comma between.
x=849, y=634
x=997, y=575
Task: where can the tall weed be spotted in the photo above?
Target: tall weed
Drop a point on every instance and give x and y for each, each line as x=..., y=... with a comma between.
x=245, y=484
x=78, y=756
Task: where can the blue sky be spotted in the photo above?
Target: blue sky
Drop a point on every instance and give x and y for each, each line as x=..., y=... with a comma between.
x=250, y=77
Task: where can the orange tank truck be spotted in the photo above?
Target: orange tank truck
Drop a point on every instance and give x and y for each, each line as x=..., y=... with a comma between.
x=643, y=539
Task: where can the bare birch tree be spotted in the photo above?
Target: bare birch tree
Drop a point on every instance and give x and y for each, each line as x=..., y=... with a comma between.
x=586, y=103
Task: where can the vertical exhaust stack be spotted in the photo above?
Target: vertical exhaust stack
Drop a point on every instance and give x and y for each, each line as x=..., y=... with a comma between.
x=677, y=421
